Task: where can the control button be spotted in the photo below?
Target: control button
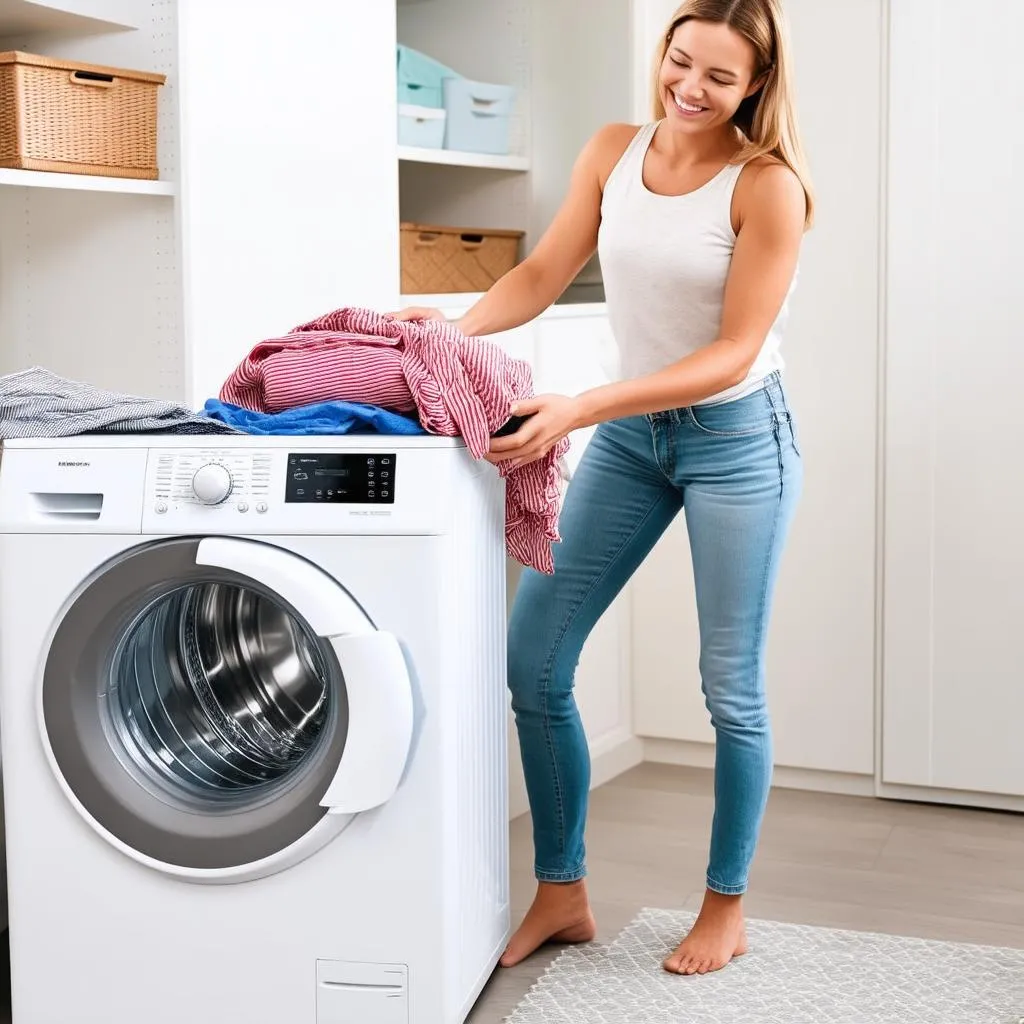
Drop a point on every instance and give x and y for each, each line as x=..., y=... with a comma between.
x=161, y=507
x=385, y=462
x=384, y=494
x=372, y=494
x=211, y=483
x=261, y=507
x=385, y=475
x=243, y=507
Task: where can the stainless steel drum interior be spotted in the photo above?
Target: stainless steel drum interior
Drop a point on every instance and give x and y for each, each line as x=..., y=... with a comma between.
x=218, y=693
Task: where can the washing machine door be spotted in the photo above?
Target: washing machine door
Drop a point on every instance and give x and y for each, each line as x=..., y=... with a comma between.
x=220, y=708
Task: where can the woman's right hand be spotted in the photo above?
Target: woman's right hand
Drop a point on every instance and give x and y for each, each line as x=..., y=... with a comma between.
x=419, y=313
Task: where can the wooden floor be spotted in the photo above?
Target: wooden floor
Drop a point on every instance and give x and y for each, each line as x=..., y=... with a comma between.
x=842, y=862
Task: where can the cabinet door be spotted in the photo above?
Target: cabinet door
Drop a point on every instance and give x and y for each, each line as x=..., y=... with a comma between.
x=519, y=343
x=575, y=352
x=289, y=184
x=953, y=688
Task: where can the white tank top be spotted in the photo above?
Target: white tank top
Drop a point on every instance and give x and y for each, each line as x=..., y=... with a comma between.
x=665, y=260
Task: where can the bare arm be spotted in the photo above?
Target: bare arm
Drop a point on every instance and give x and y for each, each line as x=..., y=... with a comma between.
x=529, y=288
x=763, y=262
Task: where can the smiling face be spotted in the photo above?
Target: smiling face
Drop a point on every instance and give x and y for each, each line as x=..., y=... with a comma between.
x=707, y=72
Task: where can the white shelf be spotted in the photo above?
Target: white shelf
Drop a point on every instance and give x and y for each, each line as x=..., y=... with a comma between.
x=85, y=182
x=26, y=17
x=453, y=158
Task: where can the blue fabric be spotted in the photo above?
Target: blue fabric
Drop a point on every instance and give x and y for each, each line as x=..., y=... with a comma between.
x=320, y=418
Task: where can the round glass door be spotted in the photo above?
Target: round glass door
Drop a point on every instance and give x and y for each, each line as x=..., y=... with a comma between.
x=194, y=714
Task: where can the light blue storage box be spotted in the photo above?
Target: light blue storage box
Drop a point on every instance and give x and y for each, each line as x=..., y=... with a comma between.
x=420, y=78
x=478, y=116
x=422, y=127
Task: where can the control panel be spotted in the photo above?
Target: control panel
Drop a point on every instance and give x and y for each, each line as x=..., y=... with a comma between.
x=341, y=478
x=216, y=485
x=221, y=488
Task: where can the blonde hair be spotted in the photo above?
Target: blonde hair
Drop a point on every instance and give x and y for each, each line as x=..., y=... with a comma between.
x=766, y=120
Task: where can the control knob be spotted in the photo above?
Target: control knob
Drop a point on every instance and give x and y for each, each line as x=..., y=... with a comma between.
x=211, y=483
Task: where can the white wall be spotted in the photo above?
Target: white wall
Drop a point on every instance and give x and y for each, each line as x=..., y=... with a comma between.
x=650, y=19
x=581, y=74
x=822, y=642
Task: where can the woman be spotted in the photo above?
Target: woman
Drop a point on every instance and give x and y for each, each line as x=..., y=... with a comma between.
x=698, y=219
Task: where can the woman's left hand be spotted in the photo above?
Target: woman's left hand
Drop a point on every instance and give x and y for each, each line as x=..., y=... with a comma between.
x=551, y=417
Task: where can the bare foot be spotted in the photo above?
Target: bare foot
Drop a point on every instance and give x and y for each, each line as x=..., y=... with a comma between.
x=560, y=913
x=718, y=935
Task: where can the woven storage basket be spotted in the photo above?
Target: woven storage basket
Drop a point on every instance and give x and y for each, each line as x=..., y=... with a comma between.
x=438, y=260
x=58, y=115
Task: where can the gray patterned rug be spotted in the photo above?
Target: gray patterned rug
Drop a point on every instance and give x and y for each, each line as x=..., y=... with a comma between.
x=793, y=974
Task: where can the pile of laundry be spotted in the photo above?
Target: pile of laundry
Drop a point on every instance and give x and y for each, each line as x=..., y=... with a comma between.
x=38, y=403
x=350, y=371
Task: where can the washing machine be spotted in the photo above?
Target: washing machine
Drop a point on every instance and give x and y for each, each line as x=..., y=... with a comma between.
x=253, y=719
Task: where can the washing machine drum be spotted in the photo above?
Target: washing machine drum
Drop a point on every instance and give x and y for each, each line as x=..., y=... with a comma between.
x=208, y=703
x=222, y=694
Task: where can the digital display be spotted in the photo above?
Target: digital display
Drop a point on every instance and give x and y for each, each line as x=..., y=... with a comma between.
x=339, y=478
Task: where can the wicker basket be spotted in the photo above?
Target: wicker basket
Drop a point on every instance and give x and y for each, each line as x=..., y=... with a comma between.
x=437, y=261
x=58, y=115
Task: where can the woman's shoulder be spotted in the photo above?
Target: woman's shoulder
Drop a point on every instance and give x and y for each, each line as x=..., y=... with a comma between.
x=617, y=134
x=767, y=181
x=607, y=146
x=767, y=175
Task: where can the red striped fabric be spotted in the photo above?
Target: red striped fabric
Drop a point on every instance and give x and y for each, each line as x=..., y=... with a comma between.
x=458, y=386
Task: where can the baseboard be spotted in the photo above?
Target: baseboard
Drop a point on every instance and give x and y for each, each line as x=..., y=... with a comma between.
x=951, y=797
x=613, y=754
x=610, y=755
x=702, y=755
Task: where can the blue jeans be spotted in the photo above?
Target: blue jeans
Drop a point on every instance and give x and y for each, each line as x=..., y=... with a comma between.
x=736, y=470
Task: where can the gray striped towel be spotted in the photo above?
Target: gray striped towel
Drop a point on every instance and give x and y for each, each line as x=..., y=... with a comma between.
x=38, y=403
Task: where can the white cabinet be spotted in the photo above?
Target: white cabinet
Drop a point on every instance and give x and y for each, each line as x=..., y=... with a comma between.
x=953, y=681
x=821, y=660
x=288, y=190
x=576, y=351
